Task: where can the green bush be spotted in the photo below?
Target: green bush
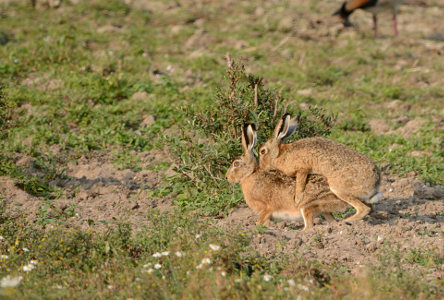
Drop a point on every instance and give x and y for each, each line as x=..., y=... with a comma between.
x=211, y=138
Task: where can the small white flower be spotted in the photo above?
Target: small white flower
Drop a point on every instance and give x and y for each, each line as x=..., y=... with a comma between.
x=33, y=261
x=199, y=266
x=188, y=272
x=147, y=265
x=2, y=239
x=303, y=287
x=4, y=257
x=110, y=286
x=291, y=282
x=340, y=232
x=146, y=271
x=165, y=253
x=157, y=266
x=10, y=282
x=197, y=236
x=223, y=274
x=179, y=254
x=206, y=261
x=238, y=280
x=28, y=268
x=379, y=238
x=59, y=286
x=25, y=249
x=267, y=277
x=157, y=254
x=214, y=247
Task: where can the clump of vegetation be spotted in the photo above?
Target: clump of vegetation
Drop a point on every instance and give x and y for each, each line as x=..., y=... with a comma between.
x=6, y=112
x=180, y=254
x=245, y=99
x=211, y=140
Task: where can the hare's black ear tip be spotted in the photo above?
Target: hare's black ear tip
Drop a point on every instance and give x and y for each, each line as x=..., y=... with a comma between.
x=246, y=125
x=245, y=128
x=285, y=116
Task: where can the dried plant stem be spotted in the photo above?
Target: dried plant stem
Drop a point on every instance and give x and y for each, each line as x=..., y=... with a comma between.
x=193, y=179
x=228, y=59
x=276, y=102
x=255, y=95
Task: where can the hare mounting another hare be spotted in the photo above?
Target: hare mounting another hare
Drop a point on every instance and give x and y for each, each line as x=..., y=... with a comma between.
x=270, y=192
x=352, y=176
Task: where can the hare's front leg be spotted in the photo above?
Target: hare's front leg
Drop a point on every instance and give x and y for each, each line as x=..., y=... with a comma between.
x=301, y=180
x=264, y=217
x=308, y=211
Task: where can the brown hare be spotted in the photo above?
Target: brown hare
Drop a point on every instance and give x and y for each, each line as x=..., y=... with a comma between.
x=271, y=193
x=352, y=176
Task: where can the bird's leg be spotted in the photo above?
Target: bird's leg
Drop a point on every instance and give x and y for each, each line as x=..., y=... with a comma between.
x=395, y=24
x=375, y=25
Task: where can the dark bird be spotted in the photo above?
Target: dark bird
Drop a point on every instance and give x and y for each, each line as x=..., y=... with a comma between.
x=372, y=6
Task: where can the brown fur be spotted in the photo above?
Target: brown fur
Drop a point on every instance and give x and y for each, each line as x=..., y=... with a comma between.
x=352, y=176
x=270, y=192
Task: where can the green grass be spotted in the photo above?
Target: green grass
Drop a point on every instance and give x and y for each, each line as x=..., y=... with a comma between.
x=67, y=77
x=179, y=255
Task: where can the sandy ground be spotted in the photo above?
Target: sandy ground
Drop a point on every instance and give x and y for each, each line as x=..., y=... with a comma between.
x=410, y=215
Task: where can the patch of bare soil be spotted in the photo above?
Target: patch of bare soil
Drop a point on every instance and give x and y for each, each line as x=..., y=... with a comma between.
x=411, y=214
x=410, y=127
x=95, y=192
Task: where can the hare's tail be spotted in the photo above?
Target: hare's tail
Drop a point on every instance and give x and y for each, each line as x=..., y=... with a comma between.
x=375, y=198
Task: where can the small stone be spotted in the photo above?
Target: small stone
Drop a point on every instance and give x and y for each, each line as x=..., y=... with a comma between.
x=286, y=24
x=139, y=96
x=419, y=153
x=148, y=121
x=259, y=11
x=379, y=126
x=305, y=92
x=423, y=191
x=372, y=247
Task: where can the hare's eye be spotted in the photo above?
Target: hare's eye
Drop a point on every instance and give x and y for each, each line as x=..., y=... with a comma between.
x=236, y=164
x=263, y=151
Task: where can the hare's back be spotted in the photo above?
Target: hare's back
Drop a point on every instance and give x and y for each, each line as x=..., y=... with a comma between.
x=332, y=158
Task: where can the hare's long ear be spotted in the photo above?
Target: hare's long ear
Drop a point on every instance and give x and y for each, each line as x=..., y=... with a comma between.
x=249, y=138
x=286, y=127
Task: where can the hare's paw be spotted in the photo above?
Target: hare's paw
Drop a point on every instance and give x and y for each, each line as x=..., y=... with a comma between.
x=265, y=223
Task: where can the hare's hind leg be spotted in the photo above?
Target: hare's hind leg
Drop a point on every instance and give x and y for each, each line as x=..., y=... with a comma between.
x=264, y=217
x=308, y=212
x=361, y=209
